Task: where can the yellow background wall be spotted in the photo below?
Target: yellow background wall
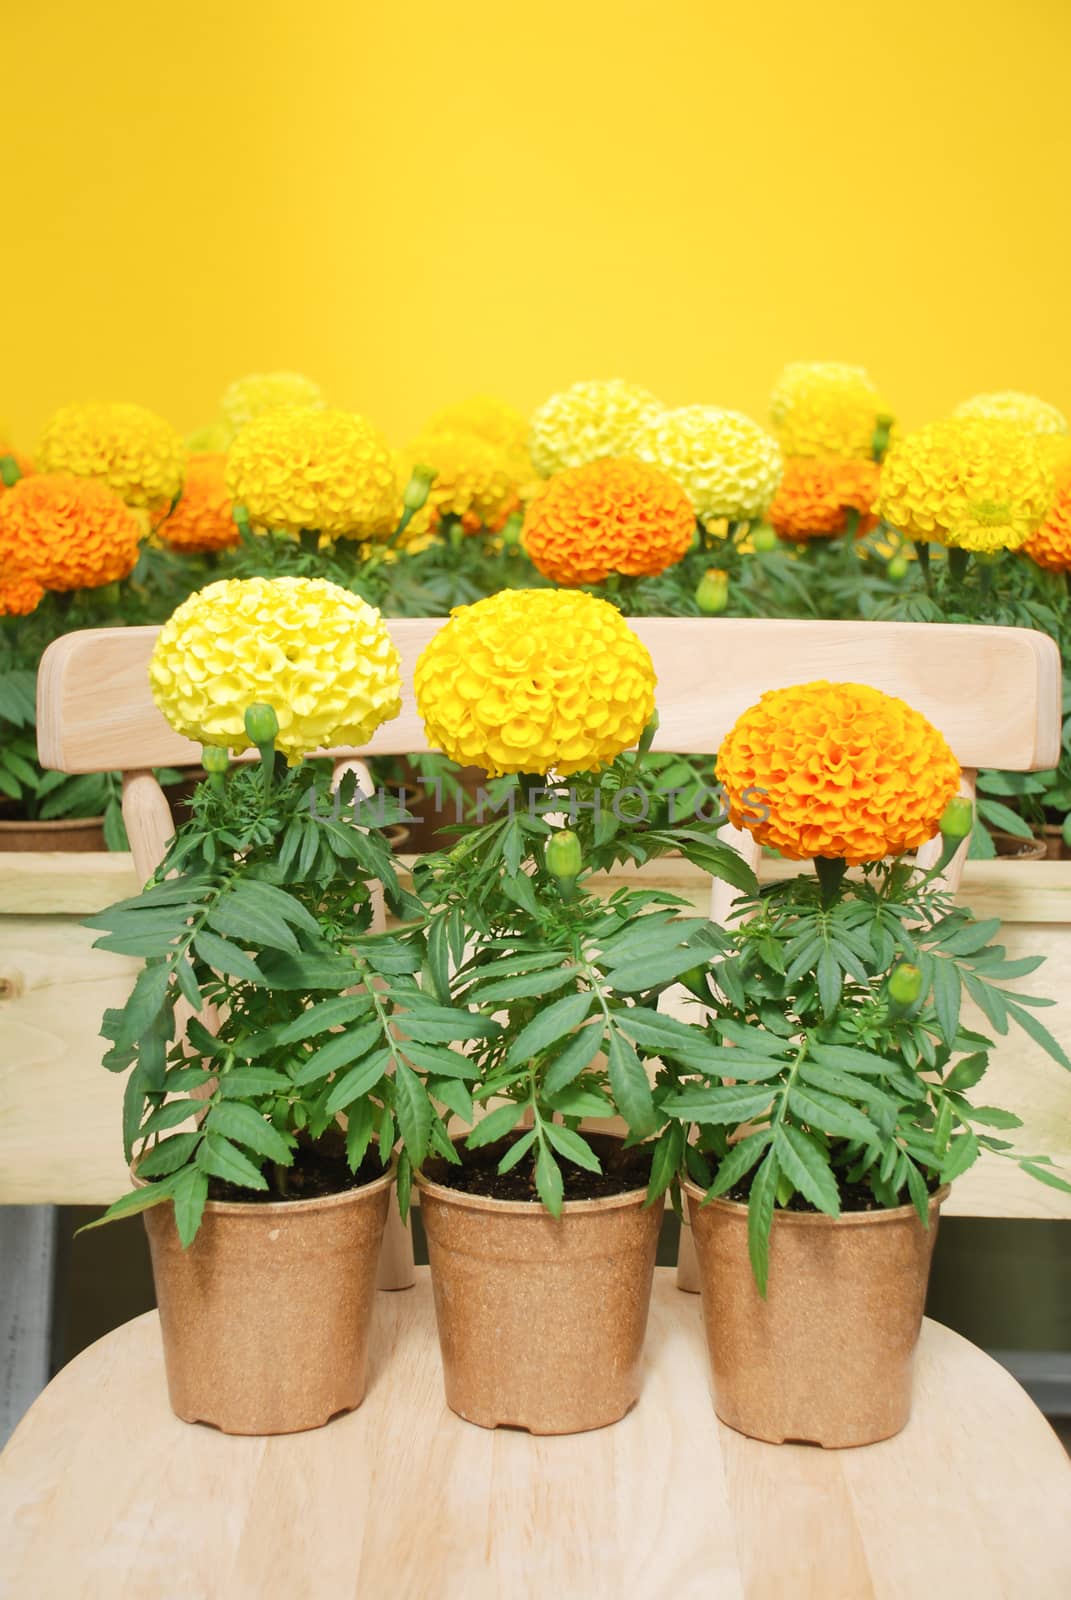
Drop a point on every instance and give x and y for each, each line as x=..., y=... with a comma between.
x=417, y=200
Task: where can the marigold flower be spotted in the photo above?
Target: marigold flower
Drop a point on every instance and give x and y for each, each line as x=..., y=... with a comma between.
x=729, y=466
x=132, y=450
x=815, y=496
x=474, y=480
x=326, y=470
x=1050, y=546
x=587, y=422
x=485, y=416
x=607, y=516
x=19, y=596
x=67, y=532
x=318, y=655
x=202, y=520
x=826, y=408
x=967, y=481
x=535, y=680
x=1010, y=405
x=844, y=771
x=261, y=392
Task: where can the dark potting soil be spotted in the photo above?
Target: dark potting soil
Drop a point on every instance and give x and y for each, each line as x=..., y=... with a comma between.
x=622, y=1170
x=853, y=1197
x=319, y=1169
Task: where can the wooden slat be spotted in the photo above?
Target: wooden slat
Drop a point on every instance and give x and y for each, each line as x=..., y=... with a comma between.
x=54, y=987
x=993, y=692
x=972, y=1498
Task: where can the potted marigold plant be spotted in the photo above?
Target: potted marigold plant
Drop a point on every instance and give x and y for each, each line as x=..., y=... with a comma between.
x=541, y=1236
x=840, y=1108
x=265, y=1213
x=63, y=539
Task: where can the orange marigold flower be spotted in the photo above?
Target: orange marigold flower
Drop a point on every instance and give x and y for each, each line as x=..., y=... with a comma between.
x=67, y=532
x=816, y=494
x=842, y=770
x=1050, y=546
x=19, y=596
x=613, y=515
x=202, y=520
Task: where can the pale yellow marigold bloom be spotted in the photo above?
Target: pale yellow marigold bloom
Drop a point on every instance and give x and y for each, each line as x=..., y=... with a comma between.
x=261, y=392
x=587, y=422
x=826, y=408
x=135, y=452
x=326, y=470
x=317, y=654
x=1009, y=405
x=535, y=680
x=968, y=482
x=727, y=464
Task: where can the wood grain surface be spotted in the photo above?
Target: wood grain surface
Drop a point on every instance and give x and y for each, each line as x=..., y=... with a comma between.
x=104, y=1495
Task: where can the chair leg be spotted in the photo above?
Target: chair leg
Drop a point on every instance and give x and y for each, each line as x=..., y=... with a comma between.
x=687, y=1263
x=396, y=1270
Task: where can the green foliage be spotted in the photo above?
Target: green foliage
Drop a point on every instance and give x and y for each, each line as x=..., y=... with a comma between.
x=569, y=983
x=818, y=1080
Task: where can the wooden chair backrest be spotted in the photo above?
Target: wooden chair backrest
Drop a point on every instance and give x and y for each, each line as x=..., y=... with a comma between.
x=993, y=692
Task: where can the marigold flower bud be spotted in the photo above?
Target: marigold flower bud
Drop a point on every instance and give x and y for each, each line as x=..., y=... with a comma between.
x=215, y=759
x=563, y=855
x=957, y=819
x=261, y=724
x=763, y=537
x=896, y=568
x=905, y=985
x=712, y=593
x=416, y=490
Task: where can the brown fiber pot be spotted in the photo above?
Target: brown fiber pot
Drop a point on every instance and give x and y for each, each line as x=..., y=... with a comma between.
x=541, y=1320
x=66, y=833
x=265, y=1317
x=826, y=1358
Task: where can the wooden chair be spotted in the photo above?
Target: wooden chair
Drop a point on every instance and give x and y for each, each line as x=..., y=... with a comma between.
x=973, y=1497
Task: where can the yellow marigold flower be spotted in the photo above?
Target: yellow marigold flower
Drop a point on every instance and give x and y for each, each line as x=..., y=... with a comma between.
x=967, y=481
x=729, y=466
x=317, y=654
x=1009, y=405
x=589, y=421
x=1050, y=546
x=132, y=450
x=486, y=417
x=607, y=516
x=535, y=680
x=844, y=772
x=67, y=532
x=202, y=520
x=815, y=496
x=261, y=392
x=327, y=470
x=825, y=408
x=475, y=480
x=19, y=596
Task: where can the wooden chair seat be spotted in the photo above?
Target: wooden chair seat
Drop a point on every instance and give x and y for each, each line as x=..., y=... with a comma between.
x=108, y=1495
